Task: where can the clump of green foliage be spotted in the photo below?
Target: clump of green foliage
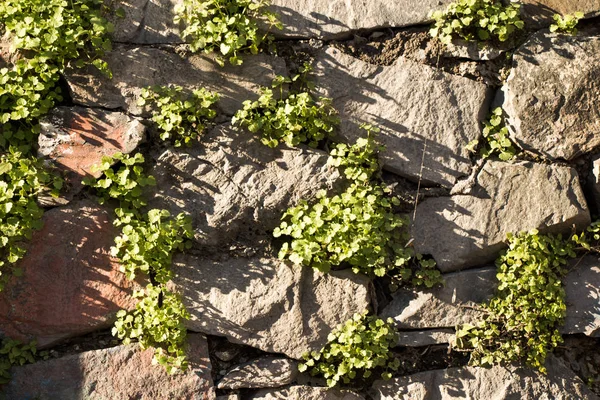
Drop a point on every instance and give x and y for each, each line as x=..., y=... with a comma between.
x=476, y=20
x=359, y=161
x=566, y=23
x=524, y=316
x=13, y=352
x=496, y=140
x=157, y=321
x=293, y=119
x=356, y=348
x=181, y=117
x=125, y=184
x=22, y=179
x=226, y=27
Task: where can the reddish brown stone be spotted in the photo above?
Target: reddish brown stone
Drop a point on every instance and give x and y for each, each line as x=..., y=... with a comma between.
x=77, y=138
x=122, y=372
x=70, y=284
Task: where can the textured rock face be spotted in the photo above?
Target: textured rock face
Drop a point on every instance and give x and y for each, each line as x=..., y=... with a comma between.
x=582, y=287
x=234, y=185
x=547, y=118
x=77, y=138
x=264, y=372
x=496, y=383
x=329, y=19
x=146, y=22
x=122, y=372
x=306, y=393
x=468, y=230
x=425, y=338
x=139, y=67
x=439, y=120
x=267, y=303
x=454, y=303
x=70, y=284
x=539, y=13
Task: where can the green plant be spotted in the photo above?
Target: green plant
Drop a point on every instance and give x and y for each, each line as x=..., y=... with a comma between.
x=22, y=179
x=181, y=117
x=566, y=23
x=359, y=161
x=13, y=352
x=295, y=119
x=496, y=139
x=124, y=184
x=147, y=245
x=358, y=346
x=157, y=321
x=476, y=20
x=228, y=27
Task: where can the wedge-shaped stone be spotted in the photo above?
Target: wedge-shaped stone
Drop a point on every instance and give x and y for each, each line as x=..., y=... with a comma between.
x=468, y=230
x=418, y=109
x=264, y=372
x=300, y=392
x=145, y=22
x=582, y=288
x=266, y=303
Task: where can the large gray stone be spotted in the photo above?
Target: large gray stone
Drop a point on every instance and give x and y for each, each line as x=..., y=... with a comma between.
x=457, y=302
x=582, y=287
x=552, y=95
x=418, y=108
x=267, y=303
x=139, y=67
x=233, y=185
x=299, y=392
x=145, y=22
x=265, y=372
x=496, y=383
x=538, y=13
x=468, y=230
x=425, y=337
x=122, y=372
x=335, y=19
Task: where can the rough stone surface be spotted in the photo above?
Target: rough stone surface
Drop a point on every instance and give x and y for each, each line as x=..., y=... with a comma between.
x=77, y=138
x=561, y=118
x=233, y=185
x=334, y=19
x=582, y=287
x=538, y=13
x=468, y=230
x=445, y=307
x=138, y=67
x=146, y=22
x=265, y=372
x=496, y=383
x=440, y=119
x=471, y=50
x=306, y=393
x=70, y=284
x=425, y=338
x=593, y=184
x=122, y=372
x=266, y=303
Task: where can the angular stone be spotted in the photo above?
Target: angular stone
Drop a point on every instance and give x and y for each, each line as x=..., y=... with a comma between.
x=234, y=186
x=425, y=338
x=457, y=302
x=77, y=138
x=122, y=372
x=336, y=19
x=145, y=22
x=70, y=284
x=561, y=118
x=468, y=230
x=438, y=120
x=486, y=383
x=265, y=372
x=266, y=303
x=582, y=288
x=539, y=13
x=299, y=392
x=139, y=67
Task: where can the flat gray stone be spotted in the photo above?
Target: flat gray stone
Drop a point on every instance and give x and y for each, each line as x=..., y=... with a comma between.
x=582, y=288
x=233, y=185
x=559, y=119
x=463, y=231
x=300, y=392
x=265, y=372
x=336, y=19
x=145, y=22
x=266, y=303
x=539, y=13
x=418, y=108
x=486, y=383
x=139, y=67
